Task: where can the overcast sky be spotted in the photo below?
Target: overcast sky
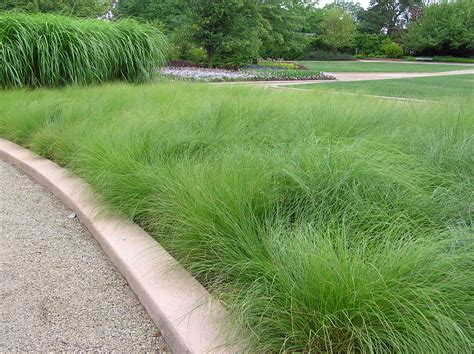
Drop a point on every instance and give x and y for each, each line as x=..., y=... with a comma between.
x=363, y=3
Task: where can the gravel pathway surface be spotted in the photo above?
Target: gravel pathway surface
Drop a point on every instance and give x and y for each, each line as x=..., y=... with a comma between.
x=58, y=290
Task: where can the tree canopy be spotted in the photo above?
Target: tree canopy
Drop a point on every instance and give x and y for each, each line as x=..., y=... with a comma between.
x=170, y=14
x=443, y=29
x=81, y=8
x=387, y=16
x=227, y=28
x=338, y=29
x=240, y=31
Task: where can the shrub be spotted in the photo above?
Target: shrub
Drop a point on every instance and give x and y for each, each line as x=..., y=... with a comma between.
x=48, y=50
x=183, y=49
x=182, y=64
x=391, y=49
x=369, y=44
x=277, y=64
x=453, y=59
x=377, y=46
x=325, y=55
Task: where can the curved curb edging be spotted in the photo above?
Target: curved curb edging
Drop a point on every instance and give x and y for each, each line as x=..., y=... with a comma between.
x=188, y=317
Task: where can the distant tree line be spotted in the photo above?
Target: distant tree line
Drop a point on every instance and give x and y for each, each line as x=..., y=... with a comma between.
x=79, y=8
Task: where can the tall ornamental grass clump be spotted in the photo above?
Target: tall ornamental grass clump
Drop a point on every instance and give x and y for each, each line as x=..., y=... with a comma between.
x=324, y=226
x=50, y=50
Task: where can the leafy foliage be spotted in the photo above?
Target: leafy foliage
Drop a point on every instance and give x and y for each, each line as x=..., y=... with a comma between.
x=391, y=49
x=369, y=43
x=284, y=23
x=443, y=29
x=233, y=32
x=338, y=29
x=325, y=55
x=229, y=29
x=388, y=16
x=450, y=59
x=51, y=50
x=81, y=8
x=171, y=15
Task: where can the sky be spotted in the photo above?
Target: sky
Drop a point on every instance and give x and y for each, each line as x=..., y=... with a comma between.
x=363, y=3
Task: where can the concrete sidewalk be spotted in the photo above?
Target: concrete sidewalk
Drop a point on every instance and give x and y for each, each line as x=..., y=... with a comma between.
x=59, y=291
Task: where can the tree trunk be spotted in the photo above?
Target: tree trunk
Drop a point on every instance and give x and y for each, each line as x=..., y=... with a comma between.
x=210, y=56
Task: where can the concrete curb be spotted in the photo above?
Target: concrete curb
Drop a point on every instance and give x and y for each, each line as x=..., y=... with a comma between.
x=186, y=314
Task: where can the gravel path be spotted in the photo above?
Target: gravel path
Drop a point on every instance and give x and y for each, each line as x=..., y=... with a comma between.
x=59, y=291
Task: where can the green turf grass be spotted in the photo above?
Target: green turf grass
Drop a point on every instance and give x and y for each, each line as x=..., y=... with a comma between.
x=324, y=225
x=356, y=66
x=430, y=88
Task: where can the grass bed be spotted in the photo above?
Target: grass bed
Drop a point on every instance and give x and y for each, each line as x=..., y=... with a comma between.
x=356, y=66
x=50, y=50
x=430, y=88
x=323, y=225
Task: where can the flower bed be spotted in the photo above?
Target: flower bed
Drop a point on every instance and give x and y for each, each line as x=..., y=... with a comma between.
x=218, y=75
x=206, y=75
x=284, y=75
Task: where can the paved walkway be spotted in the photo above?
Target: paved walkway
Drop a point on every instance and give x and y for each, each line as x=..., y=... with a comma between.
x=58, y=290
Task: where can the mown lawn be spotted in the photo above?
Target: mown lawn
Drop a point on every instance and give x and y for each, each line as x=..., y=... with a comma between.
x=454, y=87
x=323, y=225
x=357, y=66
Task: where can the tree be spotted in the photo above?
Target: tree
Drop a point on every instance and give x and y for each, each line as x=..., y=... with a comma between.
x=338, y=29
x=284, y=23
x=227, y=29
x=81, y=8
x=387, y=16
x=446, y=28
x=171, y=15
x=352, y=8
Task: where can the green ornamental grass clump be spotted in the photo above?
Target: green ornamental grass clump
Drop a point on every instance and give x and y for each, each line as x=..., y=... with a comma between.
x=324, y=225
x=50, y=50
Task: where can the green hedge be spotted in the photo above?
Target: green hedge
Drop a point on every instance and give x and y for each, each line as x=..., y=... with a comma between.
x=391, y=49
x=326, y=55
x=48, y=50
x=453, y=59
